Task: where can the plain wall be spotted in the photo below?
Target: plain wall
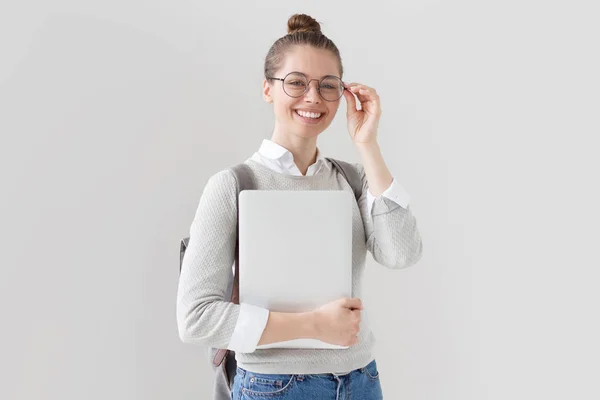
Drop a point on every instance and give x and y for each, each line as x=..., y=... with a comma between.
x=114, y=114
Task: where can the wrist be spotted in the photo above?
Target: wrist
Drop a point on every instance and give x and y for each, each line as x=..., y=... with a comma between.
x=310, y=324
x=367, y=146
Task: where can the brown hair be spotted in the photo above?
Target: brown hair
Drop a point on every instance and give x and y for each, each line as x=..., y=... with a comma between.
x=302, y=30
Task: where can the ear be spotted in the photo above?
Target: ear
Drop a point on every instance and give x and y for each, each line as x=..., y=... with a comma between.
x=267, y=91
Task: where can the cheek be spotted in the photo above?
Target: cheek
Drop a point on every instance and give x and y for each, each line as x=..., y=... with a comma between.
x=282, y=109
x=285, y=107
x=332, y=111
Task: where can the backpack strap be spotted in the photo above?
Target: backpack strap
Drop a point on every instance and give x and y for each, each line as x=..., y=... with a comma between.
x=350, y=174
x=182, y=247
x=243, y=176
x=244, y=179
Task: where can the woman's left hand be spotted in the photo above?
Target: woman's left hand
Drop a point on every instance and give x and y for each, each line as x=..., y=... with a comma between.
x=362, y=124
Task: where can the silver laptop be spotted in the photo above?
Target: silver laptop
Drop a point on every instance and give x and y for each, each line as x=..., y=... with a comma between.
x=295, y=252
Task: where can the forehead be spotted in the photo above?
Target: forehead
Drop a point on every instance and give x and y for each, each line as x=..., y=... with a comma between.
x=314, y=63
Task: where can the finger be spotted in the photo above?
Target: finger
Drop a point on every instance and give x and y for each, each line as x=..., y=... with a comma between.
x=359, y=303
x=353, y=303
x=371, y=103
x=368, y=96
x=354, y=87
x=347, y=302
x=350, y=103
x=350, y=84
x=365, y=93
x=371, y=93
x=366, y=99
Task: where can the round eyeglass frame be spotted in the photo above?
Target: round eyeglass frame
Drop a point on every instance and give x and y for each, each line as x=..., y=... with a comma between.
x=308, y=84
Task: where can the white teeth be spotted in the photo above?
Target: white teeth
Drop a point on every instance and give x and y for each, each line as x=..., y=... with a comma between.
x=308, y=114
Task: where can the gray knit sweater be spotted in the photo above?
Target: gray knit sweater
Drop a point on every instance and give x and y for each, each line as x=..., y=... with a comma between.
x=206, y=316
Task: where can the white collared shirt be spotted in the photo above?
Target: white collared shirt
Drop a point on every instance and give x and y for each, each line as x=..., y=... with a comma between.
x=252, y=319
x=280, y=159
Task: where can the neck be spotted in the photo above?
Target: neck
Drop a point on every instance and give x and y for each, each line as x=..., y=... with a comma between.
x=304, y=149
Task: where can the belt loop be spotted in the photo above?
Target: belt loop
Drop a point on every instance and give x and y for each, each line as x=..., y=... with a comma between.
x=241, y=372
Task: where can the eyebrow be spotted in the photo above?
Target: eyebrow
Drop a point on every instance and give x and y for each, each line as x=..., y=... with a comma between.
x=321, y=77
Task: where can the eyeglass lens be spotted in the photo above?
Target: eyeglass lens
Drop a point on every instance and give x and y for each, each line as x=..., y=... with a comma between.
x=296, y=84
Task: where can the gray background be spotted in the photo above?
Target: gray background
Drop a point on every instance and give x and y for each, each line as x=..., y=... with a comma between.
x=114, y=114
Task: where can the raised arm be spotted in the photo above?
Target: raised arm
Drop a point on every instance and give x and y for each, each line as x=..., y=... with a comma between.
x=391, y=228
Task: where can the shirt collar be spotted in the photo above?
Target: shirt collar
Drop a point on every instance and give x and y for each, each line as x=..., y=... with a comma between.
x=276, y=152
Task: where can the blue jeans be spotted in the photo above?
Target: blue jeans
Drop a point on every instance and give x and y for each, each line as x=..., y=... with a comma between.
x=360, y=384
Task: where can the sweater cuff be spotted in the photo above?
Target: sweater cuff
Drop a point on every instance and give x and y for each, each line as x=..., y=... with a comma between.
x=249, y=327
x=395, y=192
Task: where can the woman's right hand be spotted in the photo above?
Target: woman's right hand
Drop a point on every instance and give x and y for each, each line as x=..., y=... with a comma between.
x=338, y=322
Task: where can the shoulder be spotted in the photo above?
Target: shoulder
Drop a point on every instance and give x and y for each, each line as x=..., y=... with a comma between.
x=226, y=180
x=220, y=186
x=360, y=170
x=355, y=165
x=220, y=178
x=217, y=203
x=358, y=167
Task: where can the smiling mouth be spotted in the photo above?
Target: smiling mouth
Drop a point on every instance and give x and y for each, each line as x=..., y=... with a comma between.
x=310, y=117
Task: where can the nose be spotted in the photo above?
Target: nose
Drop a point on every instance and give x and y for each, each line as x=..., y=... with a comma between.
x=312, y=93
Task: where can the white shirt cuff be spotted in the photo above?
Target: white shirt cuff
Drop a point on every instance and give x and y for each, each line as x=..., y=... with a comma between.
x=395, y=192
x=249, y=327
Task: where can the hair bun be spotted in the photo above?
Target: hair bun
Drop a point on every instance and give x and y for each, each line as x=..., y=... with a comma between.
x=303, y=23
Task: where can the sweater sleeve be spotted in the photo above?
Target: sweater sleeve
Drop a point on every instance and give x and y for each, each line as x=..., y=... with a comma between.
x=205, y=314
x=390, y=228
x=395, y=192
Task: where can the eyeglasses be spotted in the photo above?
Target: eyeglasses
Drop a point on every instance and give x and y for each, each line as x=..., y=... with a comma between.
x=295, y=84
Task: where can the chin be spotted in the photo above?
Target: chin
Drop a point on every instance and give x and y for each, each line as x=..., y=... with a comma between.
x=308, y=132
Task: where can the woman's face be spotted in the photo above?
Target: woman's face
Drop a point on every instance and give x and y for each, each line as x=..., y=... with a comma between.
x=314, y=63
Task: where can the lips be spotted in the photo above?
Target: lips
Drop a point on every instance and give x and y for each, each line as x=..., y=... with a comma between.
x=308, y=120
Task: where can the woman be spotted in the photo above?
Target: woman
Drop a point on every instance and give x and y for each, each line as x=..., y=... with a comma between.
x=303, y=73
